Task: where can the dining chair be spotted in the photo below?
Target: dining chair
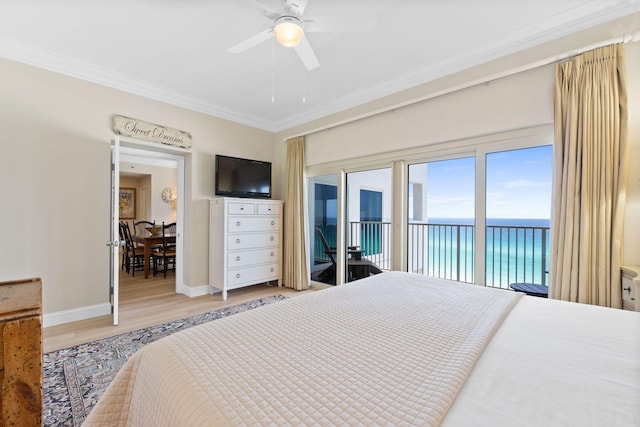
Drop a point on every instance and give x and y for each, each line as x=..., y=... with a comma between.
x=170, y=229
x=140, y=227
x=134, y=254
x=123, y=247
x=165, y=255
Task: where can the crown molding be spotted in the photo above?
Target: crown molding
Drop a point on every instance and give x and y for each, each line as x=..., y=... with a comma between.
x=558, y=26
x=51, y=61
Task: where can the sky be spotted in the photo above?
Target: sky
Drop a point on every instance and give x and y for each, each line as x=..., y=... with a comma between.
x=518, y=185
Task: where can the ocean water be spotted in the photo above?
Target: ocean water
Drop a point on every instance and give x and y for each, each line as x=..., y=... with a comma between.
x=517, y=250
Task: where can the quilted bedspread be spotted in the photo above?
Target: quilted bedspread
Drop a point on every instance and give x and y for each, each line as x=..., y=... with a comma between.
x=393, y=349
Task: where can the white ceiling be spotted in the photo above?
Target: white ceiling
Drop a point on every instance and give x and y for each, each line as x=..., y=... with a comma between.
x=176, y=50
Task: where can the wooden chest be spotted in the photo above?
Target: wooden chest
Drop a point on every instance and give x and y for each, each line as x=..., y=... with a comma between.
x=21, y=353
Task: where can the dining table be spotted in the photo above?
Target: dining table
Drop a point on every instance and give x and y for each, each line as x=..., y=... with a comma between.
x=149, y=241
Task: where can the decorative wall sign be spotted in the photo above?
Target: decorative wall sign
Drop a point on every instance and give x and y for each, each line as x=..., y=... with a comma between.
x=140, y=129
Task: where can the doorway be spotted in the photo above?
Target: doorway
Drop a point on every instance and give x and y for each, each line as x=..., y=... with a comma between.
x=152, y=172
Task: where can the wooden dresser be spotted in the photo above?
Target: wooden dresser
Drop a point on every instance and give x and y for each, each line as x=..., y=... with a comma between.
x=21, y=350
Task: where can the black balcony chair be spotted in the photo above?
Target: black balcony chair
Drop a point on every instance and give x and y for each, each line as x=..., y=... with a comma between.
x=326, y=271
x=357, y=267
x=165, y=255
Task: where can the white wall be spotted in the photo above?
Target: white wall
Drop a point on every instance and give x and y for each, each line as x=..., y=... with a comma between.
x=511, y=103
x=161, y=178
x=375, y=180
x=54, y=129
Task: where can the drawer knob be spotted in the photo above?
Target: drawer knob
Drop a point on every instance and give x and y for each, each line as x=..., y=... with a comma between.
x=272, y=239
x=238, y=241
x=272, y=269
x=272, y=254
x=241, y=208
x=273, y=223
x=238, y=223
x=237, y=258
x=237, y=275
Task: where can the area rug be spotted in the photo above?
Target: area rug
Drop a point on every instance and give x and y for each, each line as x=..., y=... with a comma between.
x=74, y=378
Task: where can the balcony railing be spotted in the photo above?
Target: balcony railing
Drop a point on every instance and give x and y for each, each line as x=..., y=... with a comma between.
x=441, y=250
x=374, y=238
x=513, y=253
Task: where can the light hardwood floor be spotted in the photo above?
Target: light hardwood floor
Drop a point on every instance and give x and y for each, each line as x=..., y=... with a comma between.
x=150, y=302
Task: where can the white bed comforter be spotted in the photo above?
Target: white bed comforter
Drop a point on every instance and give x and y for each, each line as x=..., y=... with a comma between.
x=394, y=349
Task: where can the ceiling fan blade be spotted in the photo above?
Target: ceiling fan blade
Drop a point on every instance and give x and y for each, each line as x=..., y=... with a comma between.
x=252, y=41
x=341, y=24
x=304, y=51
x=295, y=7
x=266, y=10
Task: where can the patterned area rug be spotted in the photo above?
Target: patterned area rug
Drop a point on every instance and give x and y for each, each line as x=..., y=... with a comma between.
x=75, y=377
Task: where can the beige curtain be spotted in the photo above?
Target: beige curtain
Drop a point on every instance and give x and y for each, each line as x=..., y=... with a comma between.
x=295, y=275
x=590, y=168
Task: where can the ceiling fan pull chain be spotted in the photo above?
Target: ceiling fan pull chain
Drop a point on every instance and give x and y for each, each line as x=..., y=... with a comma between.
x=273, y=70
x=304, y=88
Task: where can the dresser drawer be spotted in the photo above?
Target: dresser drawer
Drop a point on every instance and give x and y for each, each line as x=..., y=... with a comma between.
x=269, y=209
x=630, y=293
x=241, y=208
x=630, y=288
x=252, y=257
x=250, y=241
x=257, y=274
x=241, y=225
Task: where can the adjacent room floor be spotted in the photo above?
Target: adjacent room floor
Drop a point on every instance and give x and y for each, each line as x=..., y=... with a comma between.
x=149, y=302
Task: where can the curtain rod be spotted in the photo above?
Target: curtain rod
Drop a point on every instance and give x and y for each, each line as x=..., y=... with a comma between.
x=481, y=81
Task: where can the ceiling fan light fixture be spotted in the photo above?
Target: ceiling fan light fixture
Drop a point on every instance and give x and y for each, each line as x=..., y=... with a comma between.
x=288, y=30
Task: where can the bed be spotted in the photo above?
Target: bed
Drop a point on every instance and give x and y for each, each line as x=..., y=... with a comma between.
x=393, y=349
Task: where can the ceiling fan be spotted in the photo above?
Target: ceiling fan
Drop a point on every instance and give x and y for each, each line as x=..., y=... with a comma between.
x=289, y=29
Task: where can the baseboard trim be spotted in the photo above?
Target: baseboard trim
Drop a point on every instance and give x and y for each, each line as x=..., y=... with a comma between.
x=194, y=291
x=82, y=313
x=88, y=312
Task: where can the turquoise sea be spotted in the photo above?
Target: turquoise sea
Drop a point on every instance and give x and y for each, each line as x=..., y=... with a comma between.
x=517, y=250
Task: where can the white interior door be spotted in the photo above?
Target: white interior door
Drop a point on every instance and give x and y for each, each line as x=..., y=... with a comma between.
x=114, y=242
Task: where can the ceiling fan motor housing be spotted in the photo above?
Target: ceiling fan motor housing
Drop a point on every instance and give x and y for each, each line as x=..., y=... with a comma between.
x=288, y=30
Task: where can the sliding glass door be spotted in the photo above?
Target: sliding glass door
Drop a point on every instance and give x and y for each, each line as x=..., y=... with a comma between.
x=323, y=222
x=368, y=232
x=479, y=214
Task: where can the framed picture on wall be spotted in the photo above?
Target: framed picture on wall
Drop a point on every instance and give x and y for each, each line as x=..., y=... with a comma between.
x=127, y=203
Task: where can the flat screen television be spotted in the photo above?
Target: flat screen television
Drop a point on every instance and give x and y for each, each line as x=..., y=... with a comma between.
x=237, y=177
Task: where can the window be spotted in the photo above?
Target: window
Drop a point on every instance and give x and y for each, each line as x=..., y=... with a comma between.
x=518, y=213
x=440, y=233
